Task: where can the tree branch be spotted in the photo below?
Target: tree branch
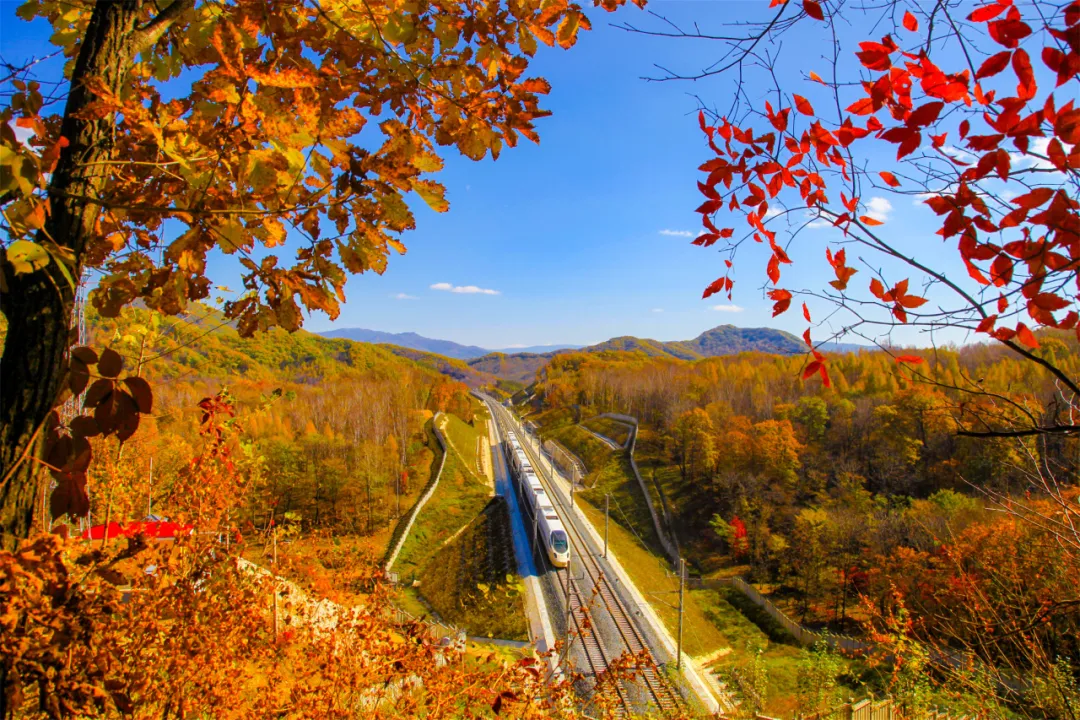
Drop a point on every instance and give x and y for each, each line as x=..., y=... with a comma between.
x=149, y=33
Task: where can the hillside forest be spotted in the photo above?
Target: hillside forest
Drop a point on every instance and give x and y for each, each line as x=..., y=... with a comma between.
x=859, y=510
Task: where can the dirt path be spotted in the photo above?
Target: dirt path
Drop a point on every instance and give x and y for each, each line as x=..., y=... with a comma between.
x=470, y=467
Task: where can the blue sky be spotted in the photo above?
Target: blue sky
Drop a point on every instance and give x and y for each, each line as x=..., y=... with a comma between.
x=586, y=236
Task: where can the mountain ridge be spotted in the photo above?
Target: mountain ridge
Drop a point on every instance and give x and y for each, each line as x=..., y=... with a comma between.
x=473, y=365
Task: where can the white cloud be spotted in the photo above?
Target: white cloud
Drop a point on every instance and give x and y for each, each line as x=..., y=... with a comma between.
x=958, y=154
x=773, y=212
x=816, y=223
x=1038, y=146
x=677, y=233
x=726, y=308
x=464, y=289
x=658, y=310
x=403, y=296
x=879, y=208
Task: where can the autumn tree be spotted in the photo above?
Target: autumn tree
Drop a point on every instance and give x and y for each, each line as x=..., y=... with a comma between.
x=291, y=142
x=978, y=106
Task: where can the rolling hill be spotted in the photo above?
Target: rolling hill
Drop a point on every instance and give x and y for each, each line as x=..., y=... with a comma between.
x=721, y=340
x=409, y=340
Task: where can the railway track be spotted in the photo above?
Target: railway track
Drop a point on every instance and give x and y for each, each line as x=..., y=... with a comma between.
x=586, y=630
x=658, y=687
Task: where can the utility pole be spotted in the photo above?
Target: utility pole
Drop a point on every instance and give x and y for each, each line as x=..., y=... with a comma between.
x=682, y=584
x=275, y=586
x=150, y=491
x=569, y=612
x=607, y=500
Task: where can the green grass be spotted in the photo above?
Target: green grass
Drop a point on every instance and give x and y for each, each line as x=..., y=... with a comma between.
x=472, y=581
x=743, y=636
x=628, y=507
x=464, y=436
x=460, y=497
x=611, y=429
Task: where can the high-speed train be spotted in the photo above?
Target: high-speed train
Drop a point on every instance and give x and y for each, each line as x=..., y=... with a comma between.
x=549, y=527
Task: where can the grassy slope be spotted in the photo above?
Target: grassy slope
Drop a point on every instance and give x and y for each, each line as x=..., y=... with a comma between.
x=611, y=429
x=460, y=497
x=472, y=581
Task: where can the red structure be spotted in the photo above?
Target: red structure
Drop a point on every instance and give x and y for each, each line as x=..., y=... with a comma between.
x=161, y=530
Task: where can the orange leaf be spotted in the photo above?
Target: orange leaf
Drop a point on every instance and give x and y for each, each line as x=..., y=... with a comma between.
x=816, y=78
x=803, y=105
x=889, y=179
x=913, y=359
x=877, y=289
x=911, y=22
x=813, y=9
x=867, y=220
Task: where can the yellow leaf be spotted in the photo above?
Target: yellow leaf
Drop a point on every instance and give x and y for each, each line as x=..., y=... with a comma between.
x=26, y=256
x=433, y=194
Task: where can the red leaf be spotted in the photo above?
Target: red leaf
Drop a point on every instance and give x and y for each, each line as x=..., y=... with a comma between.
x=1024, y=334
x=803, y=105
x=925, y=114
x=1022, y=66
x=877, y=289
x=862, y=107
x=867, y=220
x=987, y=323
x=1034, y=199
x=782, y=300
x=910, y=22
x=889, y=179
x=986, y=12
x=913, y=359
x=993, y=65
x=806, y=334
x=774, y=269
x=806, y=314
x=811, y=369
x=714, y=287
x=813, y=9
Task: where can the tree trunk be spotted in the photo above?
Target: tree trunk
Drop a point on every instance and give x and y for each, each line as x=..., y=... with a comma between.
x=38, y=305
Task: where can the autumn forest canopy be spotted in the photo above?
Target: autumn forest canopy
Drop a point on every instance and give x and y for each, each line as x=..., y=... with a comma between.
x=207, y=510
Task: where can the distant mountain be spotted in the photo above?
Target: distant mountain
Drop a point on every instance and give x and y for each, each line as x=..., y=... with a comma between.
x=721, y=340
x=537, y=349
x=475, y=365
x=409, y=340
x=446, y=348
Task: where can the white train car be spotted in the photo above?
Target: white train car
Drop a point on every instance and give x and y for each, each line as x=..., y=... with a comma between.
x=549, y=527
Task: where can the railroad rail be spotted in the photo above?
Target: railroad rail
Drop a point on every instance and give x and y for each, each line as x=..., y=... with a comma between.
x=658, y=686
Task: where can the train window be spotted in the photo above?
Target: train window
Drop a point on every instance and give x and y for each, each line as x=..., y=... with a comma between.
x=558, y=542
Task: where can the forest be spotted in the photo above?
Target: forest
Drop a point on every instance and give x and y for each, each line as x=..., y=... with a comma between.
x=858, y=507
